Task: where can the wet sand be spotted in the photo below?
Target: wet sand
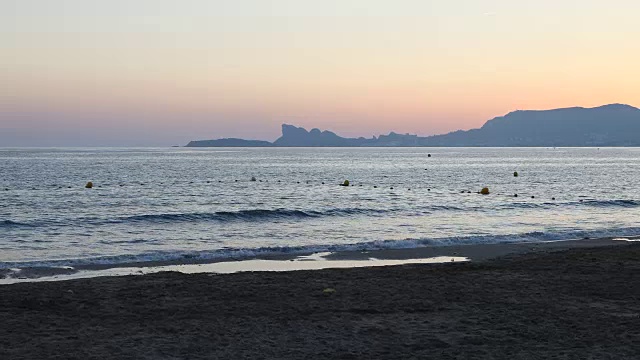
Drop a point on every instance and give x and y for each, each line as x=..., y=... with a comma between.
x=575, y=303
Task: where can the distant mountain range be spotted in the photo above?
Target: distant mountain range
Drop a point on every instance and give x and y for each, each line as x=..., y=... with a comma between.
x=608, y=125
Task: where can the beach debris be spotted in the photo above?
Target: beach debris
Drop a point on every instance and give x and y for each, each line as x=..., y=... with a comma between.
x=89, y=185
x=515, y=174
x=484, y=191
x=345, y=183
x=253, y=178
x=329, y=291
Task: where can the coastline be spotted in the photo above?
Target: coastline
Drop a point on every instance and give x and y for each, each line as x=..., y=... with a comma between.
x=302, y=261
x=577, y=301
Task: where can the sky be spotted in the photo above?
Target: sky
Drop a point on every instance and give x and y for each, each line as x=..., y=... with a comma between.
x=163, y=72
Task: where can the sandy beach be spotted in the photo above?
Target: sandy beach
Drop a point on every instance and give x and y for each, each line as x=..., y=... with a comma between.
x=576, y=303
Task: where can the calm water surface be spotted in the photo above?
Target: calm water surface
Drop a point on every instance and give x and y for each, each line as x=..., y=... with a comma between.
x=150, y=204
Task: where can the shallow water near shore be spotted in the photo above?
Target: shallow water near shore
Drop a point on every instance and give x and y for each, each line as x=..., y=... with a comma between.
x=308, y=262
x=152, y=205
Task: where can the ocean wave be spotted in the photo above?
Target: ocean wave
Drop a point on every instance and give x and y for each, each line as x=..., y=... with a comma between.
x=590, y=202
x=250, y=215
x=244, y=215
x=248, y=253
x=611, y=203
x=11, y=224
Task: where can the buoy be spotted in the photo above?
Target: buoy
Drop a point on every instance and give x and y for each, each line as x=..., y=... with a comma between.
x=484, y=191
x=516, y=195
x=515, y=173
x=89, y=185
x=428, y=189
x=345, y=183
x=533, y=197
x=428, y=155
x=553, y=198
x=392, y=188
x=375, y=186
x=323, y=183
x=253, y=178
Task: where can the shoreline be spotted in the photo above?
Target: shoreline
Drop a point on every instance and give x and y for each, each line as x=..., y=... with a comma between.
x=302, y=261
x=575, y=302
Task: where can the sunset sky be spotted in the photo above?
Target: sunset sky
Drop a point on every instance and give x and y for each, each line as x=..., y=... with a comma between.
x=163, y=72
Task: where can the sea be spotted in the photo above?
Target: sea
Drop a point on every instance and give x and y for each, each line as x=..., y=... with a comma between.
x=169, y=204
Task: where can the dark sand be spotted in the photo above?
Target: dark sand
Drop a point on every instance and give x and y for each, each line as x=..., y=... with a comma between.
x=581, y=303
